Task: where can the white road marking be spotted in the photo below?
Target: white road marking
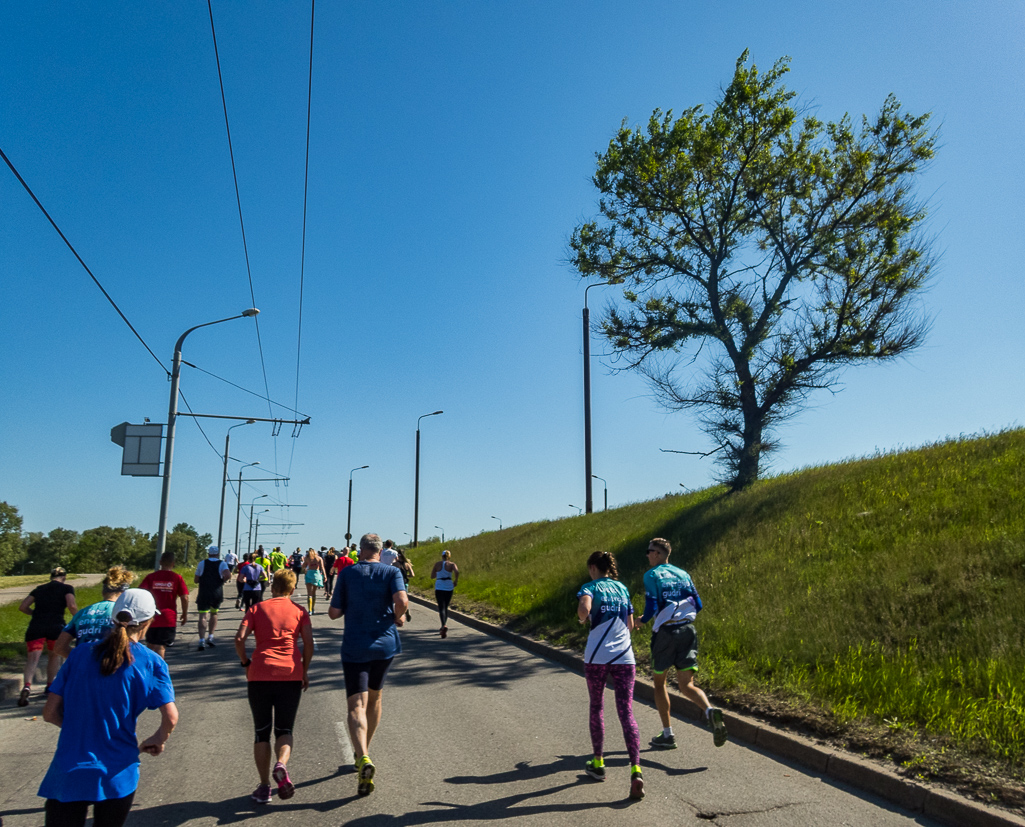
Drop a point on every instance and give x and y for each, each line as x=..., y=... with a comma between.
x=343, y=737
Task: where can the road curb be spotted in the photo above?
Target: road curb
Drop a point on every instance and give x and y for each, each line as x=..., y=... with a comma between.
x=945, y=807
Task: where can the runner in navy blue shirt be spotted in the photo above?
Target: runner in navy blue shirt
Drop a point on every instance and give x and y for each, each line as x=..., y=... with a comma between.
x=372, y=598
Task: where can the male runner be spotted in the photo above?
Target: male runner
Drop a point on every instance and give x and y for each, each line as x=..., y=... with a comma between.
x=670, y=597
x=373, y=600
x=330, y=557
x=278, y=561
x=251, y=573
x=167, y=586
x=389, y=554
x=211, y=575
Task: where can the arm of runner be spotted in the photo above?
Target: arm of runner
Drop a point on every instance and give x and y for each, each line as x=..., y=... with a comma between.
x=26, y=605
x=455, y=575
x=240, y=641
x=307, y=634
x=69, y=600
x=53, y=711
x=401, y=601
x=584, y=608
x=184, y=599
x=154, y=745
x=62, y=646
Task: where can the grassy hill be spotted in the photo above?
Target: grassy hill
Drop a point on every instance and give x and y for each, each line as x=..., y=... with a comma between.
x=880, y=601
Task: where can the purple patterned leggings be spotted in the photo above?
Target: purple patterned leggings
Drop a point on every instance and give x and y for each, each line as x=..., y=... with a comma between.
x=623, y=681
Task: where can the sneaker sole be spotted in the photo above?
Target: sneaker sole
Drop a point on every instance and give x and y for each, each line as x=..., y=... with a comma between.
x=657, y=745
x=637, y=789
x=366, y=779
x=286, y=789
x=594, y=775
x=719, y=734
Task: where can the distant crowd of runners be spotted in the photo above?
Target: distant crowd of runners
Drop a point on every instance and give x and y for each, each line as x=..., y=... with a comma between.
x=110, y=671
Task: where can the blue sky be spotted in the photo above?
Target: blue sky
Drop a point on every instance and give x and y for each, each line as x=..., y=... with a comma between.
x=451, y=150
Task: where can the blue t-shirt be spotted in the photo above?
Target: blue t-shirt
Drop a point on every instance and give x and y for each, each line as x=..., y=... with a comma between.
x=669, y=596
x=609, y=638
x=363, y=593
x=97, y=754
x=91, y=623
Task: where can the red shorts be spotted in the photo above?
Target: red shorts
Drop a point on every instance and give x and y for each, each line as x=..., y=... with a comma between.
x=39, y=644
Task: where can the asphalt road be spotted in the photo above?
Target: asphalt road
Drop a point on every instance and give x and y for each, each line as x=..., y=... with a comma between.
x=474, y=731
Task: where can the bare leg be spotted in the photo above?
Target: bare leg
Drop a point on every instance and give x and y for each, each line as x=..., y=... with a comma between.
x=283, y=747
x=357, y=722
x=690, y=691
x=261, y=753
x=202, y=626
x=31, y=664
x=373, y=713
x=662, y=698
x=213, y=623
x=53, y=665
x=156, y=647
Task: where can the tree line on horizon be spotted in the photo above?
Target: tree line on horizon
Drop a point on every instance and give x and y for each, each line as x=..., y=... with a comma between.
x=94, y=550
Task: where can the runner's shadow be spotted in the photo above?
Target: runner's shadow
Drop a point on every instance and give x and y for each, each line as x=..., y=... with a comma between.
x=523, y=771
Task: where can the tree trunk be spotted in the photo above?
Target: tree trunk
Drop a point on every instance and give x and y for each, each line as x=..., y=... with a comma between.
x=749, y=456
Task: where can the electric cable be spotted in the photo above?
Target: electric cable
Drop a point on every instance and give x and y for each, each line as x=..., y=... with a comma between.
x=96, y=281
x=245, y=390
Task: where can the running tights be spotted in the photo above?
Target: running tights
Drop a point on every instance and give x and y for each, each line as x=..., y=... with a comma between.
x=623, y=682
x=109, y=813
x=443, y=598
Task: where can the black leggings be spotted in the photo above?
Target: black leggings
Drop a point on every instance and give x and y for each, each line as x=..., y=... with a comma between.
x=277, y=702
x=109, y=813
x=443, y=598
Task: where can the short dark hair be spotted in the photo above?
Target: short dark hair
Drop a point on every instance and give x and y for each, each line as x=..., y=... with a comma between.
x=167, y=558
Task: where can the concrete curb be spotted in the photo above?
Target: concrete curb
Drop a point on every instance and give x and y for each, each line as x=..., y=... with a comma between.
x=846, y=768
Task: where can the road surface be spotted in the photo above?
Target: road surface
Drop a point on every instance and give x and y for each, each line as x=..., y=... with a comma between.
x=474, y=731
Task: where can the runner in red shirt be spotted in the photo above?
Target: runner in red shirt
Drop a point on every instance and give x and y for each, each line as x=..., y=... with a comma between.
x=167, y=586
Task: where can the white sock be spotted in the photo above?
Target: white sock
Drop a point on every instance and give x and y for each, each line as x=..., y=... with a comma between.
x=708, y=712
x=668, y=732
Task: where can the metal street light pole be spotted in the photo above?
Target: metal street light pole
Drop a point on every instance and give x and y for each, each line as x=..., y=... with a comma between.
x=238, y=504
x=348, y=519
x=493, y=517
x=224, y=480
x=249, y=541
x=606, y=490
x=442, y=532
x=578, y=508
x=256, y=534
x=589, y=502
x=416, y=496
x=172, y=415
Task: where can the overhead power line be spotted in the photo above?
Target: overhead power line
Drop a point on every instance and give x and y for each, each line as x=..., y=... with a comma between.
x=96, y=281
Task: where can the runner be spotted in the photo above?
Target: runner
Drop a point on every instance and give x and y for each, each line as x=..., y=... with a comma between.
x=96, y=701
x=251, y=574
x=295, y=563
x=93, y=622
x=403, y=565
x=262, y=559
x=46, y=605
x=276, y=678
x=314, y=568
x=389, y=554
x=445, y=575
x=232, y=560
x=211, y=575
x=278, y=561
x=330, y=558
x=372, y=600
x=671, y=599
x=605, y=602
x=166, y=586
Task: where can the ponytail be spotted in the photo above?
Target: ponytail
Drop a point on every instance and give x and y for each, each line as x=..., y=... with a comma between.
x=605, y=563
x=115, y=648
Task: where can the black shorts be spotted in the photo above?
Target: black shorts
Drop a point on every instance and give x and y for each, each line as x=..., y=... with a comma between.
x=161, y=635
x=674, y=646
x=274, y=702
x=361, y=677
x=210, y=602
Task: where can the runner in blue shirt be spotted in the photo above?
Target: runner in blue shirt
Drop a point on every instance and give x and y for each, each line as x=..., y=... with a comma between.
x=96, y=700
x=671, y=599
x=372, y=597
x=93, y=622
x=605, y=603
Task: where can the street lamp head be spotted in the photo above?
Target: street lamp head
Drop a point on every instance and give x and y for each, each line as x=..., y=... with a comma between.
x=252, y=311
x=436, y=413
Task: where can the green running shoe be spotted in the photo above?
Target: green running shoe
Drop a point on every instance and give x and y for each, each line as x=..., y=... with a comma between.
x=594, y=770
x=663, y=741
x=366, y=771
x=715, y=721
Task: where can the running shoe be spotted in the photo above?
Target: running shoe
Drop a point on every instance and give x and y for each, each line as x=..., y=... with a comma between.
x=201, y=646
x=261, y=795
x=715, y=721
x=593, y=770
x=663, y=741
x=286, y=789
x=23, y=697
x=444, y=631
x=210, y=642
x=366, y=776
x=636, y=786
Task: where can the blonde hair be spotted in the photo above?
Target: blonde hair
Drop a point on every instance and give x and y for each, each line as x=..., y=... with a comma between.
x=283, y=583
x=117, y=580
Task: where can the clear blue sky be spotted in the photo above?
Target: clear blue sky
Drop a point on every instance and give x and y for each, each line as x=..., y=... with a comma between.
x=452, y=145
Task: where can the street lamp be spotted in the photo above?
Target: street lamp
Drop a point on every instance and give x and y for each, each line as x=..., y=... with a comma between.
x=416, y=496
x=348, y=520
x=26, y=563
x=238, y=503
x=256, y=534
x=606, y=490
x=587, y=393
x=493, y=517
x=172, y=415
x=224, y=479
x=442, y=532
x=578, y=508
x=249, y=542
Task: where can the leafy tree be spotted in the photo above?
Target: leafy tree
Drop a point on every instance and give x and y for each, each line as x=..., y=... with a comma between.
x=12, y=549
x=54, y=549
x=100, y=548
x=791, y=247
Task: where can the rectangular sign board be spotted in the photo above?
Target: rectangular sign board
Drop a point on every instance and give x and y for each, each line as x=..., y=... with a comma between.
x=142, y=445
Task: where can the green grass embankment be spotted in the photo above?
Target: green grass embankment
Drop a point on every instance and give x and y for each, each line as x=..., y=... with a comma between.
x=887, y=590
